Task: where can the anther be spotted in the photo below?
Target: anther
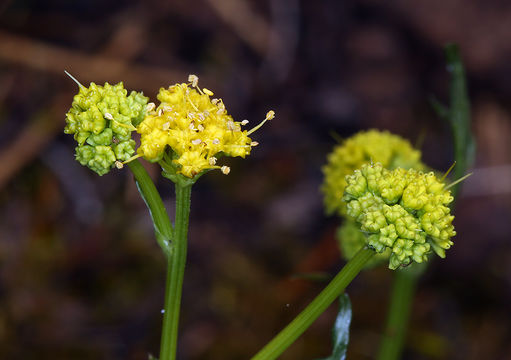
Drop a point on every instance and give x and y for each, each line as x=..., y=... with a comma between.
x=109, y=116
x=200, y=127
x=160, y=112
x=166, y=126
x=196, y=141
x=225, y=170
x=230, y=125
x=216, y=141
x=270, y=115
x=212, y=160
x=214, y=101
x=150, y=107
x=254, y=143
x=244, y=122
x=207, y=92
x=118, y=164
x=194, y=79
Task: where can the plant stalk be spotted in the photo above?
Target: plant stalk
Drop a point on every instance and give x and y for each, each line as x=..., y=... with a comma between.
x=176, y=261
x=333, y=290
x=400, y=306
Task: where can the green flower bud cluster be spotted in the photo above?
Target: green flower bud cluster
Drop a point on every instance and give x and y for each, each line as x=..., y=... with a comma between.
x=390, y=150
x=102, y=119
x=404, y=210
x=351, y=239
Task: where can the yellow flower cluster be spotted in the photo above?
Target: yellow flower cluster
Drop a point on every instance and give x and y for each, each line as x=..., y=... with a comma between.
x=196, y=127
x=371, y=146
x=404, y=210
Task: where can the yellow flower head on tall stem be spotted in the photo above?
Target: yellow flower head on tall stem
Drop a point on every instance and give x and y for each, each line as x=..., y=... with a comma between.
x=372, y=146
x=196, y=127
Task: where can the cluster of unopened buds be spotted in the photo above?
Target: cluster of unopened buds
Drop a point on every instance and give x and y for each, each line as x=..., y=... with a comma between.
x=405, y=211
x=186, y=133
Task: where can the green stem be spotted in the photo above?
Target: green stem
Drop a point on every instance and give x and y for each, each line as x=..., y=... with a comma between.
x=162, y=226
x=176, y=262
x=397, y=317
x=292, y=331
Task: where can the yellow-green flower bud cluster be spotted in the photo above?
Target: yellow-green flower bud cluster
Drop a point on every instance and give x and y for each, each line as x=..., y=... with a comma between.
x=102, y=119
x=351, y=239
x=390, y=150
x=403, y=210
x=195, y=127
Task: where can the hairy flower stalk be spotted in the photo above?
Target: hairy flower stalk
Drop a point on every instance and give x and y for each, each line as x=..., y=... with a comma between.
x=390, y=150
x=101, y=119
x=403, y=210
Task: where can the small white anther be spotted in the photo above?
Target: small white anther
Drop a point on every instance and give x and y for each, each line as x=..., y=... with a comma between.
x=254, y=143
x=191, y=126
x=167, y=108
x=119, y=165
x=244, y=122
x=214, y=101
x=109, y=116
x=200, y=127
x=190, y=115
x=225, y=170
x=160, y=112
x=212, y=160
x=220, y=111
x=201, y=116
x=216, y=141
x=166, y=126
x=196, y=141
x=194, y=79
x=270, y=115
x=230, y=125
x=150, y=107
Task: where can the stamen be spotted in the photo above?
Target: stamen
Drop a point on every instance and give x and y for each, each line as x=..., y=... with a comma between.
x=225, y=170
x=194, y=79
x=132, y=158
x=150, y=107
x=269, y=116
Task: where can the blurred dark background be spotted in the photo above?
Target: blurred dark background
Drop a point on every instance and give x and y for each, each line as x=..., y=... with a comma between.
x=81, y=276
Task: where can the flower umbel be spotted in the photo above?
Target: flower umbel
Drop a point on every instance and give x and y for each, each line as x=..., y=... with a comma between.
x=196, y=128
x=404, y=210
x=390, y=150
x=102, y=119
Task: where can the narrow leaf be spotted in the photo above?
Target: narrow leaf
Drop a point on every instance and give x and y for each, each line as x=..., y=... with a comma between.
x=341, y=330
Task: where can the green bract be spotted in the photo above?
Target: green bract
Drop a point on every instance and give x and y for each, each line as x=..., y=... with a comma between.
x=404, y=210
x=102, y=119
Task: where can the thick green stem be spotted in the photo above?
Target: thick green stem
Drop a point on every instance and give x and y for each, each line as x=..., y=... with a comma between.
x=176, y=261
x=292, y=331
x=162, y=226
x=397, y=317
